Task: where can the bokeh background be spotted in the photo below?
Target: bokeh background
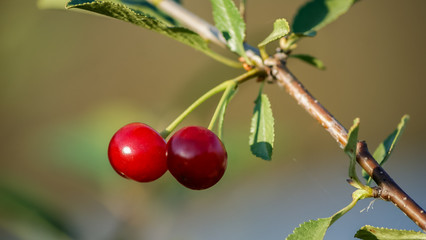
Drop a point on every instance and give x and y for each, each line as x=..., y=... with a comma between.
x=69, y=80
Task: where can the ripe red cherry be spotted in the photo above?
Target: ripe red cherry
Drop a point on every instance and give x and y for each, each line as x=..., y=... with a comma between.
x=196, y=157
x=138, y=152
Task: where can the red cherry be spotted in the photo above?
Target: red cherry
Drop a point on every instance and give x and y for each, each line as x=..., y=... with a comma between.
x=196, y=157
x=138, y=152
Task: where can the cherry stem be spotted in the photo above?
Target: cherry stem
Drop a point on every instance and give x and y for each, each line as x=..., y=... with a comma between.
x=356, y=196
x=224, y=60
x=231, y=84
x=219, y=88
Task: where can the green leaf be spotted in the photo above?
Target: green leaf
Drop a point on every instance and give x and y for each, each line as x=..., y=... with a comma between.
x=229, y=21
x=316, y=14
x=350, y=148
x=227, y=96
x=281, y=28
x=309, y=60
x=140, y=5
x=316, y=229
x=125, y=13
x=122, y=12
x=311, y=230
x=375, y=233
x=385, y=148
x=151, y=10
x=262, y=128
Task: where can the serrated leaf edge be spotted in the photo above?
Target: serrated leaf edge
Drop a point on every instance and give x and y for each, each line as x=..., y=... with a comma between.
x=393, y=229
x=273, y=35
x=300, y=227
x=239, y=45
x=367, y=227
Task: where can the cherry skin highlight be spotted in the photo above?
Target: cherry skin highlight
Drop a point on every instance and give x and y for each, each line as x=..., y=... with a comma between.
x=196, y=157
x=138, y=152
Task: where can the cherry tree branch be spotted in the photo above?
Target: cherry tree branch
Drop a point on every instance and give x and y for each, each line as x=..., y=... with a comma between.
x=295, y=88
x=388, y=190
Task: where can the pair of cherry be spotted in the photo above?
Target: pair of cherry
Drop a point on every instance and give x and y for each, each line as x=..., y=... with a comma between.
x=194, y=155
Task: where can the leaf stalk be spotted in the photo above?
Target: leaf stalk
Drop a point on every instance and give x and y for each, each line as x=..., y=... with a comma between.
x=219, y=88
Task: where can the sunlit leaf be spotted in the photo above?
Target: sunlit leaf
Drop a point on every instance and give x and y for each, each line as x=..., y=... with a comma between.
x=144, y=6
x=350, y=148
x=149, y=9
x=229, y=21
x=375, y=233
x=227, y=96
x=311, y=230
x=262, y=128
x=316, y=229
x=281, y=29
x=125, y=13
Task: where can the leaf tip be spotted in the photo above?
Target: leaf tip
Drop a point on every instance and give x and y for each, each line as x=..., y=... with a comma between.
x=406, y=117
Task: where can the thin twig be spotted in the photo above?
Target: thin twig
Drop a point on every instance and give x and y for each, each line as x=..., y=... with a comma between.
x=388, y=189
x=287, y=80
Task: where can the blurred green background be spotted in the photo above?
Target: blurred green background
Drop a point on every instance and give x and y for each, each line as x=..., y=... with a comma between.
x=69, y=80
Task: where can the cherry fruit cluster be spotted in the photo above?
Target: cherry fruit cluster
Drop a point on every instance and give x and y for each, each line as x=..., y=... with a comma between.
x=194, y=155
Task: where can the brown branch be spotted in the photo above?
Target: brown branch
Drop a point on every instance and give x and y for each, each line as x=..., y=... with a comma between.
x=287, y=80
x=387, y=189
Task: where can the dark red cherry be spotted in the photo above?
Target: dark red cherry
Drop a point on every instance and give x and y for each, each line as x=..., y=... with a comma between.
x=138, y=152
x=196, y=157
